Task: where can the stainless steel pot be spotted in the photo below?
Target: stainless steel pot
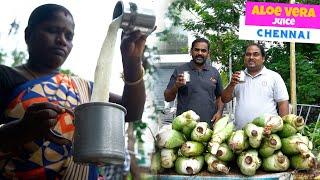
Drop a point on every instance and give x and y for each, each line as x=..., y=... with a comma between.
x=99, y=133
x=134, y=17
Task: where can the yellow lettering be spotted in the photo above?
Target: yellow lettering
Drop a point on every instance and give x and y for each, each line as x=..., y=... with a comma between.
x=303, y=12
x=262, y=12
x=288, y=11
x=269, y=10
x=255, y=10
x=277, y=11
x=311, y=13
x=295, y=12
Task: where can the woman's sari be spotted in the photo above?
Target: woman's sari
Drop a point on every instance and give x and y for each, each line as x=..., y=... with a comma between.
x=43, y=159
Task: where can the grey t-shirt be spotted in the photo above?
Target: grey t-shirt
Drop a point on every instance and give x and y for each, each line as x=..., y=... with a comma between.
x=200, y=93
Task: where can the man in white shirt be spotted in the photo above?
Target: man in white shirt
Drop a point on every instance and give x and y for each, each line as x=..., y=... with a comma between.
x=260, y=93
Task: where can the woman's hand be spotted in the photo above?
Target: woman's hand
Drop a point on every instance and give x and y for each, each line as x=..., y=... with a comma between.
x=132, y=45
x=39, y=118
x=134, y=96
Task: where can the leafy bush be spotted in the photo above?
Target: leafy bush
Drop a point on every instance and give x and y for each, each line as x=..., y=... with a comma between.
x=312, y=130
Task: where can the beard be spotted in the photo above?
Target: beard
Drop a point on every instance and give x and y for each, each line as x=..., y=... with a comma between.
x=199, y=60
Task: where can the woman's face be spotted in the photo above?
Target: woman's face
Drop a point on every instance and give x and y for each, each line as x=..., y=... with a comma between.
x=50, y=42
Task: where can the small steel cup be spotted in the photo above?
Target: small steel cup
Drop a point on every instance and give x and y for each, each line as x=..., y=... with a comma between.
x=134, y=17
x=242, y=76
x=186, y=76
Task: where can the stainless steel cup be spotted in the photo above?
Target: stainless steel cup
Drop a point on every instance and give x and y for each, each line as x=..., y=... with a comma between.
x=242, y=76
x=134, y=17
x=186, y=76
x=99, y=135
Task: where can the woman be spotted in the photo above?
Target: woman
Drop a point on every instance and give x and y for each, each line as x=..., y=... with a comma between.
x=36, y=101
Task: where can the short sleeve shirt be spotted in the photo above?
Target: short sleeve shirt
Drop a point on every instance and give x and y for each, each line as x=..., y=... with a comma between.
x=200, y=93
x=258, y=95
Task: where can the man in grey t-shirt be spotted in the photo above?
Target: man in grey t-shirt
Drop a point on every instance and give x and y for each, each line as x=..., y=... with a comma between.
x=200, y=91
x=262, y=92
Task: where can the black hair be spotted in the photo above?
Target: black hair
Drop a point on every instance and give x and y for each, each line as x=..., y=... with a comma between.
x=260, y=46
x=200, y=40
x=45, y=12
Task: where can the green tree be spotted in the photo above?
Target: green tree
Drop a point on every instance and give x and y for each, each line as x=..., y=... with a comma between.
x=2, y=56
x=307, y=69
x=67, y=71
x=175, y=39
x=217, y=21
x=287, y=1
x=19, y=57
